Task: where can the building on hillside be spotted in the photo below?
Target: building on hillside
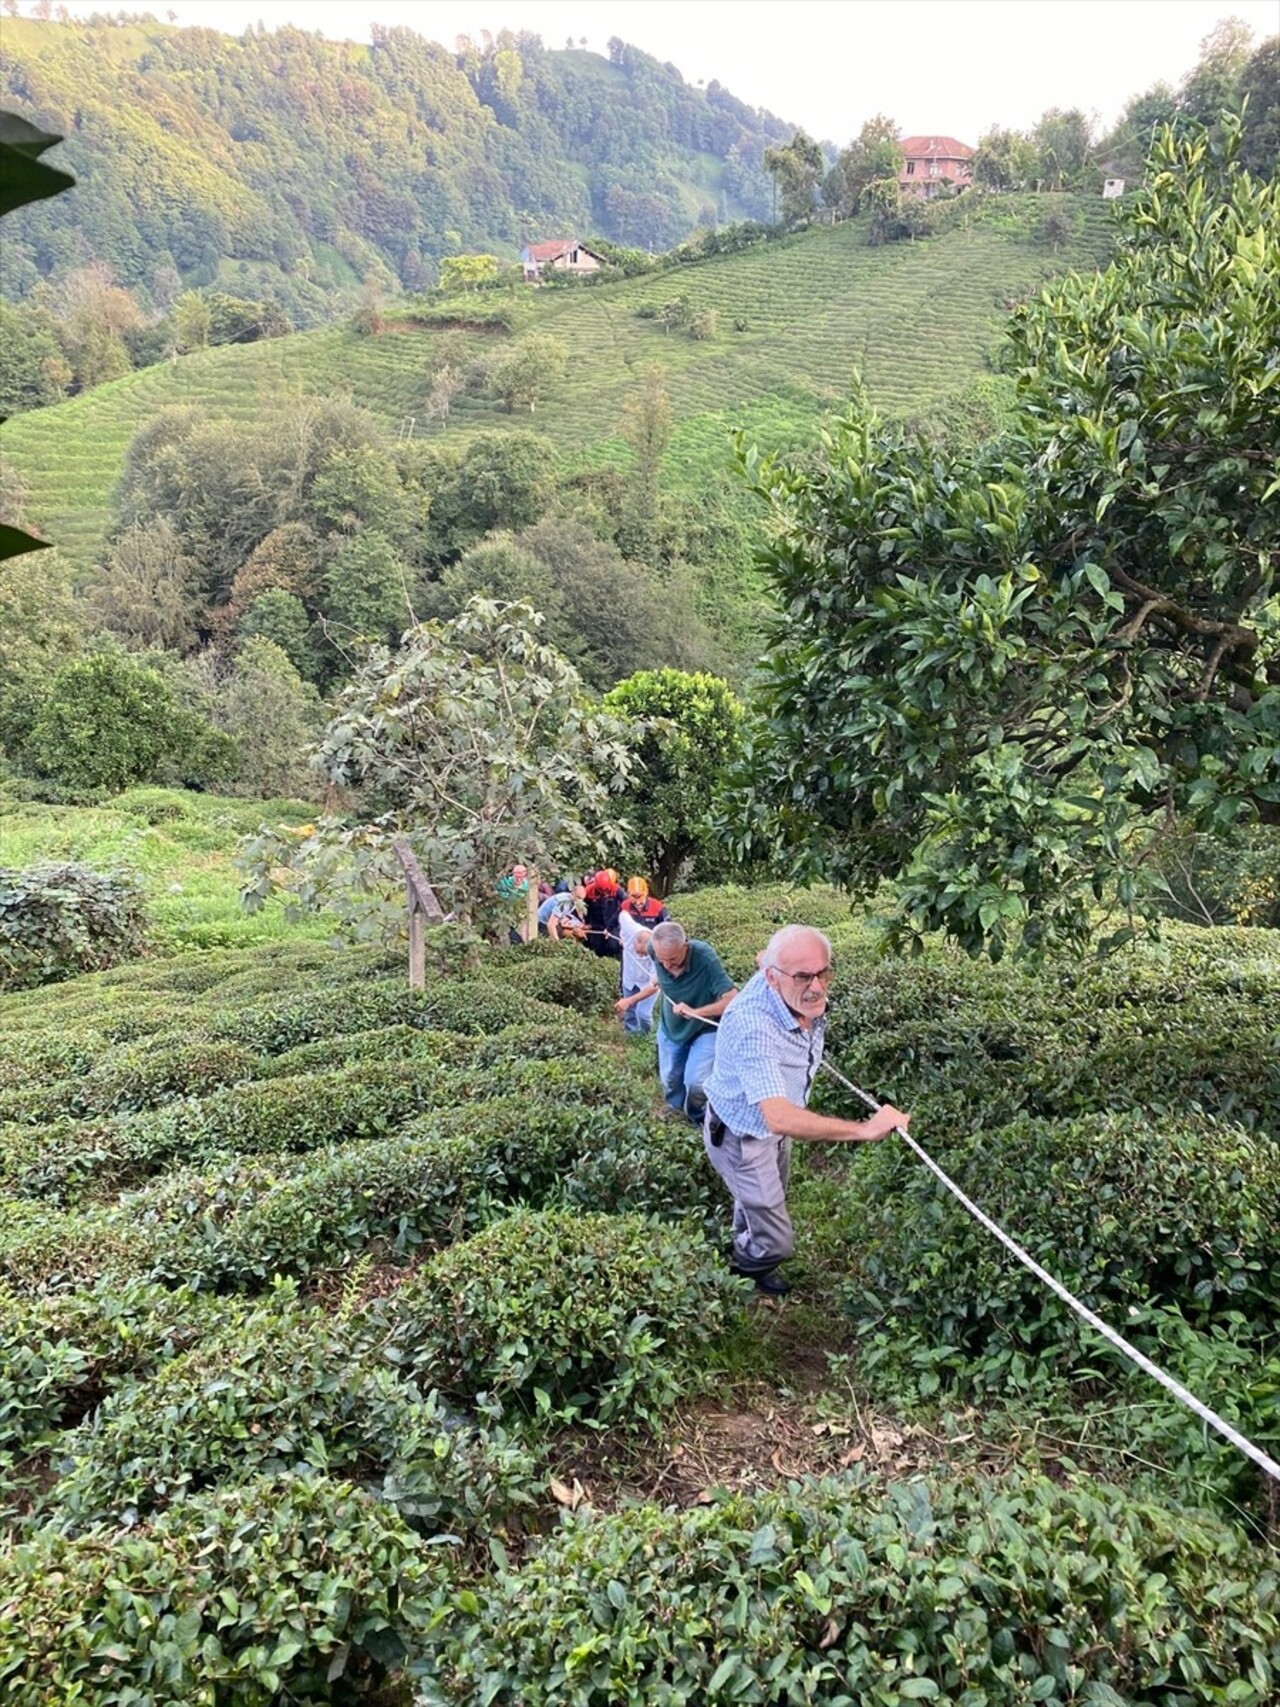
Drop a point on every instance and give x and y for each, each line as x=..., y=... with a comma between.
x=929, y=162
x=1112, y=188
x=563, y=255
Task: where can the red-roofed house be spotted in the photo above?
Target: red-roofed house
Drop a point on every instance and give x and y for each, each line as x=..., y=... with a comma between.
x=564, y=255
x=931, y=161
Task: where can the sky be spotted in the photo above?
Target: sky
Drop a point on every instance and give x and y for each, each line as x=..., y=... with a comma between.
x=947, y=67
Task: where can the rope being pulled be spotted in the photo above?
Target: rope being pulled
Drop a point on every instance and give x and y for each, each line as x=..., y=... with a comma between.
x=1184, y=1396
x=1181, y=1393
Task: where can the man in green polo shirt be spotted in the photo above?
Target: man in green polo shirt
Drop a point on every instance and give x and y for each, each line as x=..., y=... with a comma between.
x=695, y=988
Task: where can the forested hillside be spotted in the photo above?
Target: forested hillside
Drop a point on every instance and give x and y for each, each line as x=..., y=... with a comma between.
x=289, y=166
x=788, y=324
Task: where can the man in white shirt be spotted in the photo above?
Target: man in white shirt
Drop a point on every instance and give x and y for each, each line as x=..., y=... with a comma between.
x=637, y=975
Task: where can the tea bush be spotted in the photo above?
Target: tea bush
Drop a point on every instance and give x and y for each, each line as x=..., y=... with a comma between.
x=603, y=1318
x=53, y=1250
x=308, y=1590
x=1126, y=1212
x=129, y=1077
x=285, y=1392
x=839, y=1592
x=60, y=1354
x=471, y=1007
x=59, y=920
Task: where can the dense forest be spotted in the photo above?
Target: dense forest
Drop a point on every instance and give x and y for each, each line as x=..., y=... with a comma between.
x=299, y=168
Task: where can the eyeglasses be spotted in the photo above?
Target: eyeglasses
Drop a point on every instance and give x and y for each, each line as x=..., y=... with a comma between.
x=823, y=976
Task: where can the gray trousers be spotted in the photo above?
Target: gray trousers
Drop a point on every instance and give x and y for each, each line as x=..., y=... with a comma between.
x=755, y=1170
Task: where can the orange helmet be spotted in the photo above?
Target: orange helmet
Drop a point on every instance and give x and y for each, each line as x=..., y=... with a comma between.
x=637, y=889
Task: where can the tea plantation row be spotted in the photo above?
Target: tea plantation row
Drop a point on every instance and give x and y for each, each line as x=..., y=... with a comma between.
x=304, y=1277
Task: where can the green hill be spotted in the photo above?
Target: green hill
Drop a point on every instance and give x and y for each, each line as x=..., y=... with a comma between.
x=288, y=166
x=917, y=320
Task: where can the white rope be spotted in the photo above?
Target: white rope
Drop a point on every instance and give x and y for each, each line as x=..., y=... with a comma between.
x=1181, y=1393
x=1268, y=1465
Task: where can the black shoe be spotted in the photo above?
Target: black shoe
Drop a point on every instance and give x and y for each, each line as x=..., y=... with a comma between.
x=770, y=1282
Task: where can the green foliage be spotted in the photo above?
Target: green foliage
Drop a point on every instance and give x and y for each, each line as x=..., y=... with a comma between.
x=688, y=731
x=1129, y=1213
x=1043, y=642
x=818, y=303
x=837, y=1590
x=591, y=1317
x=523, y=374
x=202, y=171
x=284, y=1393
x=60, y=920
x=478, y=740
x=796, y=170
x=309, y=1586
x=108, y=722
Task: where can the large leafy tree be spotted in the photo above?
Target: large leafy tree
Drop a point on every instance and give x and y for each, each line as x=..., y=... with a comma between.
x=477, y=741
x=996, y=674
x=685, y=732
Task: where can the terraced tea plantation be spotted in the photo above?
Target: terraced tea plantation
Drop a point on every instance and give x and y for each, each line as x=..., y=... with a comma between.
x=368, y=1345
x=795, y=318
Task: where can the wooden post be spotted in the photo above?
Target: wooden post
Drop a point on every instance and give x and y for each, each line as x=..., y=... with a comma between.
x=424, y=908
x=531, y=905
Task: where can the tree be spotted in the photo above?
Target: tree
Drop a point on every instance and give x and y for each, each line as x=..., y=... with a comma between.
x=478, y=742
x=1214, y=82
x=468, y=272
x=149, y=591
x=532, y=364
x=997, y=672
x=280, y=618
x=1260, y=89
x=646, y=426
x=686, y=731
x=796, y=170
x=273, y=717
x=365, y=596
x=94, y=314
x=873, y=155
x=1004, y=160
x=109, y=722
x=192, y=321
x=500, y=480
x=1062, y=142
x=446, y=384
x=33, y=370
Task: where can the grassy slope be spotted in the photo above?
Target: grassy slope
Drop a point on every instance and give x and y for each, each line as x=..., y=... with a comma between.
x=916, y=319
x=184, y=860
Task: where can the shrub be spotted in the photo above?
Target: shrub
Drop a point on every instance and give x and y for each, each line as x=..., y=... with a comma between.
x=307, y=1589
x=60, y=920
x=129, y=1077
x=472, y=1008
x=597, y=1317
x=49, y=1250
x=1127, y=1213
x=285, y=1392
x=835, y=1591
x=61, y=1353
x=109, y=721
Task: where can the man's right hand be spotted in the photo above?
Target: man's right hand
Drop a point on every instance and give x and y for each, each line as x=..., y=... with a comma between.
x=885, y=1120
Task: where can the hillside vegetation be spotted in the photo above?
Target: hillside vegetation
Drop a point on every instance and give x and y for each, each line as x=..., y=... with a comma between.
x=322, y=1299
x=918, y=320
x=293, y=167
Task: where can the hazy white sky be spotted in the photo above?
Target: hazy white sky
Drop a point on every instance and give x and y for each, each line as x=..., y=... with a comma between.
x=946, y=66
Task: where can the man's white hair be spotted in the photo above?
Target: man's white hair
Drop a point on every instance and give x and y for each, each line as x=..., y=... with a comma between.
x=668, y=935
x=784, y=938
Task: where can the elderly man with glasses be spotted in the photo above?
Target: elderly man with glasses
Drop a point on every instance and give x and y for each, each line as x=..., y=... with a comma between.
x=767, y=1056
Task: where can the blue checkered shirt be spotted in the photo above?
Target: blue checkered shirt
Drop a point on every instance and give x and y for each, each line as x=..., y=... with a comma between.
x=762, y=1051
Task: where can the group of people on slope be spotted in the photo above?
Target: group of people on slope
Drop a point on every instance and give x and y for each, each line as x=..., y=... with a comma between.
x=740, y=1064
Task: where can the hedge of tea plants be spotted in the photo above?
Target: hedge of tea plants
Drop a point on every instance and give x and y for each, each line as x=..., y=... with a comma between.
x=304, y=1275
